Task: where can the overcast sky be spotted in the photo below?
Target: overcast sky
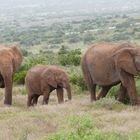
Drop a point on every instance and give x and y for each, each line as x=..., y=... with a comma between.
x=62, y=5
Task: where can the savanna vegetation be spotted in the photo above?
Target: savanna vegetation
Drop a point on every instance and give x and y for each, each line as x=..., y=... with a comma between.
x=63, y=43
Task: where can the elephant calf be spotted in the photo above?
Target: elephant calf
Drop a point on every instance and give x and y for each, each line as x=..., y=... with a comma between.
x=42, y=80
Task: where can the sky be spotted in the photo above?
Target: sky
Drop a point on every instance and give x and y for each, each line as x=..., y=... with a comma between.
x=73, y=5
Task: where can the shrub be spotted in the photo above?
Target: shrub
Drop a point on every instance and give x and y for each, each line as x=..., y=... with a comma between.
x=24, y=52
x=77, y=79
x=110, y=104
x=19, y=77
x=82, y=128
x=88, y=38
x=70, y=57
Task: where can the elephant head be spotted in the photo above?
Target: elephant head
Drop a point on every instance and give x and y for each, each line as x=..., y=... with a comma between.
x=55, y=77
x=128, y=60
x=17, y=57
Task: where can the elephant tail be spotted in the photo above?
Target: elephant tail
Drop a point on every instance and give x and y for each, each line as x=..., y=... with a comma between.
x=86, y=73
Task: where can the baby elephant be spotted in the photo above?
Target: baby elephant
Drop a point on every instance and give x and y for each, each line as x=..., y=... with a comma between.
x=41, y=80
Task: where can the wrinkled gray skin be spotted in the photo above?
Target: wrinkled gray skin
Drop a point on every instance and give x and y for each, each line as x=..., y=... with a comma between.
x=106, y=64
x=42, y=80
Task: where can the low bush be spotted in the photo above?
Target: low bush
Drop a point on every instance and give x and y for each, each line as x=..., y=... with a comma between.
x=76, y=77
x=78, y=80
x=110, y=104
x=19, y=77
x=72, y=57
x=81, y=127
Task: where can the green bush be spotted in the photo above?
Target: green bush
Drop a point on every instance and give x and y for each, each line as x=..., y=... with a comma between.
x=70, y=57
x=19, y=77
x=76, y=78
x=24, y=52
x=88, y=38
x=110, y=104
x=81, y=127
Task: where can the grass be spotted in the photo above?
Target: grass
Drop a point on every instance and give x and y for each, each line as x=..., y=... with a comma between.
x=76, y=120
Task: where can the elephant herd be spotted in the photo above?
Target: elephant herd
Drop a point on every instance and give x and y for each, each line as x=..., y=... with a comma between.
x=104, y=64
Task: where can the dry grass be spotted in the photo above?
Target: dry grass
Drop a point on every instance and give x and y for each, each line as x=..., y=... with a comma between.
x=21, y=123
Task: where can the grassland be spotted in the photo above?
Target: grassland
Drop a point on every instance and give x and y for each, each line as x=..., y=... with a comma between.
x=75, y=120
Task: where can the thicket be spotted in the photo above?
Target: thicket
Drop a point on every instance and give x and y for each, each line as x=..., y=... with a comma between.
x=67, y=57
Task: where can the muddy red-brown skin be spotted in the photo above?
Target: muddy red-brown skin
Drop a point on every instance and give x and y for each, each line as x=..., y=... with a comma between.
x=10, y=61
x=107, y=64
x=42, y=80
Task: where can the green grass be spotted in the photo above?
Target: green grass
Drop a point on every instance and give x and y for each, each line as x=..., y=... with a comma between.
x=81, y=127
x=76, y=120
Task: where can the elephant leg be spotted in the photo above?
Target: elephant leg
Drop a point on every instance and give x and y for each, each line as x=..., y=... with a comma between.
x=8, y=80
x=1, y=82
x=122, y=95
x=103, y=92
x=30, y=100
x=92, y=93
x=35, y=99
x=46, y=96
x=60, y=94
x=129, y=83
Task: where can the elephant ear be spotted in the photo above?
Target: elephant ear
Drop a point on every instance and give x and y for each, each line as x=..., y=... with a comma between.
x=124, y=60
x=49, y=77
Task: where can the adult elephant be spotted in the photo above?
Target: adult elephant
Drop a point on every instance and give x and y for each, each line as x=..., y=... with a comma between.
x=107, y=64
x=42, y=80
x=10, y=61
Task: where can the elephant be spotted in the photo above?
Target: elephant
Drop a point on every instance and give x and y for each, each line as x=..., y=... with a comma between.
x=108, y=64
x=2, y=85
x=10, y=61
x=42, y=80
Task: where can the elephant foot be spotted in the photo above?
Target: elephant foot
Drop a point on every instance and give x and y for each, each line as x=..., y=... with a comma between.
x=61, y=102
x=93, y=100
x=45, y=103
x=7, y=105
